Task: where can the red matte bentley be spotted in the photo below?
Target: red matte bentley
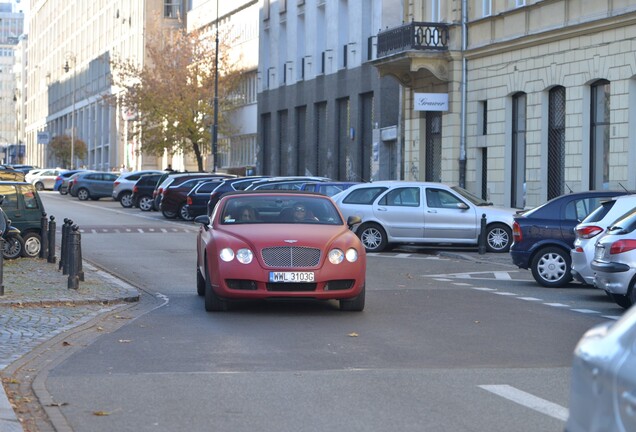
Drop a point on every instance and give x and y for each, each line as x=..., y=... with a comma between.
x=279, y=245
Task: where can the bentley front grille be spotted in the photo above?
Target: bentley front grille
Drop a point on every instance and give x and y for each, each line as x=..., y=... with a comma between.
x=291, y=256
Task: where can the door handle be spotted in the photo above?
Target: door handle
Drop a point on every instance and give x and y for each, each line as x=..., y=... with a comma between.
x=432, y=211
x=382, y=209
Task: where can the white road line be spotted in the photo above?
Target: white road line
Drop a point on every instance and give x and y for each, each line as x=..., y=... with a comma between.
x=502, y=275
x=140, y=230
x=530, y=298
x=484, y=289
x=561, y=305
x=503, y=293
x=585, y=311
x=612, y=317
x=442, y=280
x=461, y=284
x=528, y=400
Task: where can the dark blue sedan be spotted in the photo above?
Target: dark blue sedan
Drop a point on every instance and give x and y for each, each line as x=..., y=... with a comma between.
x=543, y=236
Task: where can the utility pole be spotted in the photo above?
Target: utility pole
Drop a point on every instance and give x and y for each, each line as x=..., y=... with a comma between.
x=215, y=127
x=66, y=69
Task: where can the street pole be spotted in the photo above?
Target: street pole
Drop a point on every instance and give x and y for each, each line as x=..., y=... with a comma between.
x=66, y=69
x=215, y=127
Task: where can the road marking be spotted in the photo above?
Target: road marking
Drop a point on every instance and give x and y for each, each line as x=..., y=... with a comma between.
x=612, y=317
x=503, y=293
x=442, y=280
x=530, y=299
x=528, y=400
x=585, y=311
x=484, y=289
x=461, y=284
x=560, y=305
x=502, y=275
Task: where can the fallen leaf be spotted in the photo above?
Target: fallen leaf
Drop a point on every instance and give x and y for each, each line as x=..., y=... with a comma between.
x=121, y=317
x=65, y=343
x=101, y=413
x=353, y=334
x=100, y=329
x=57, y=404
x=11, y=381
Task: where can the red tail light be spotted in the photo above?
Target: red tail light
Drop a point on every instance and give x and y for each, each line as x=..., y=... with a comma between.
x=189, y=200
x=516, y=232
x=135, y=189
x=588, y=232
x=622, y=246
x=58, y=178
x=116, y=183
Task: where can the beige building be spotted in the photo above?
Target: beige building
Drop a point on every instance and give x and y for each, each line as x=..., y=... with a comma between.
x=519, y=101
x=71, y=44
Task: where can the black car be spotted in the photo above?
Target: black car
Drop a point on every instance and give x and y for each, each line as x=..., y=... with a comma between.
x=175, y=192
x=142, y=192
x=227, y=185
x=544, y=236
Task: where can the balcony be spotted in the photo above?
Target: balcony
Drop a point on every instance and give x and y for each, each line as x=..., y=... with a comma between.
x=414, y=51
x=413, y=36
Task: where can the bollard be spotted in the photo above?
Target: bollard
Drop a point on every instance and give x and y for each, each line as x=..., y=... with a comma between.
x=64, y=246
x=80, y=270
x=52, y=228
x=482, y=235
x=74, y=256
x=1, y=267
x=44, y=244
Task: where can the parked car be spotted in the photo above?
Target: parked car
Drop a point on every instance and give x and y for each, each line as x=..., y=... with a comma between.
x=614, y=262
x=588, y=231
x=92, y=184
x=166, y=179
x=21, y=167
x=23, y=206
x=44, y=179
x=10, y=174
x=544, y=236
x=199, y=196
x=268, y=255
x=31, y=173
x=174, y=196
x=403, y=212
x=284, y=183
x=61, y=181
x=603, y=382
x=327, y=188
x=13, y=244
x=122, y=189
x=142, y=192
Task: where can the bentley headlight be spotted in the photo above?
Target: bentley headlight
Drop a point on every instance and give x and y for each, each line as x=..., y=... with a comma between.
x=352, y=255
x=227, y=254
x=244, y=256
x=336, y=256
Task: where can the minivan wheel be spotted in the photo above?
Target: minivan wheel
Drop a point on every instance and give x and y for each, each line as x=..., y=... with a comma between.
x=551, y=267
x=184, y=213
x=373, y=237
x=125, y=199
x=39, y=186
x=498, y=238
x=83, y=195
x=32, y=245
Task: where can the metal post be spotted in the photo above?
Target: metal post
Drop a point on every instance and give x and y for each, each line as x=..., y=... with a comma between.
x=73, y=279
x=64, y=257
x=44, y=244
x=52, y=228
x=482, y=235
x=1, y=266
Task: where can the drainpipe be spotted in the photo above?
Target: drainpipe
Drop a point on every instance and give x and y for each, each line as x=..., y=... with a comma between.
x=462, y=137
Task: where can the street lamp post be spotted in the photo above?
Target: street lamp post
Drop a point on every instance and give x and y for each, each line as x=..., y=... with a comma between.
x=215, y=128
x=66, y=69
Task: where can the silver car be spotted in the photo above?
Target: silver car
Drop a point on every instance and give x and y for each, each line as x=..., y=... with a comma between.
x=421, y=212
x=603, y=382
x=122, y=189
x=588, y=231
x=614, y=262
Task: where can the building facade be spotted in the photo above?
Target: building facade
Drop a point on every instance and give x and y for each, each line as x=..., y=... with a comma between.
x=541, y=95
x=11, y=31
x=71, y=44
x=322, y=107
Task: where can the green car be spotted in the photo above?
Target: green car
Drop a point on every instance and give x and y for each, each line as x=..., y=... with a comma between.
x=24, y=208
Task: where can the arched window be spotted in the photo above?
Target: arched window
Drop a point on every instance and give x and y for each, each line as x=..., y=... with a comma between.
x=556, y=142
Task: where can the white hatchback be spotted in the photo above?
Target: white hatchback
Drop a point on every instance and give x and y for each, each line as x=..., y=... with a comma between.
x=588, y=231
x=424, y=212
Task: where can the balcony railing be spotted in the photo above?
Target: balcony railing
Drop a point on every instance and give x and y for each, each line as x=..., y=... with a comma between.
x=413, y=36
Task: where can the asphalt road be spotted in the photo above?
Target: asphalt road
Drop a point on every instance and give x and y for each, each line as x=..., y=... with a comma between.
x=444, y=344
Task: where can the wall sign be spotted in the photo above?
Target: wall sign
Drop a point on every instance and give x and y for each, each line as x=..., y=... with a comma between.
x=430, y=101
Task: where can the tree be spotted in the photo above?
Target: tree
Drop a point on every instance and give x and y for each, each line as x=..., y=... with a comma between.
x=172, y=93
x=60, y=148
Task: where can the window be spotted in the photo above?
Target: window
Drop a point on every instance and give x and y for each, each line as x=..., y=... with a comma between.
x=438, y=198
x=482, y=117
x=556, y=142
x=518, y=183
x=577, y=210
x=171, y=8
x=402, y=197
x=364, y=195
x=520, y=3
x=435, y=11
x=486, y=8
x=599, y=135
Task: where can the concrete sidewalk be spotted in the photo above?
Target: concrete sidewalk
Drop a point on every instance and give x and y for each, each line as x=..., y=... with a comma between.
x=37, y=305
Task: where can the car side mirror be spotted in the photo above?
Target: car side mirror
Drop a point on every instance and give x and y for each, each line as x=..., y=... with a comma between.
x=353, y=220
x=203, y=220
x=462, y=206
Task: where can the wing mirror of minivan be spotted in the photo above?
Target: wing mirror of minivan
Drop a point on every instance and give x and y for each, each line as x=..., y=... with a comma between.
x=462, y=206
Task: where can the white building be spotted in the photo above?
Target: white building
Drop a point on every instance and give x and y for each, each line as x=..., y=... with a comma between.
x=11, y=28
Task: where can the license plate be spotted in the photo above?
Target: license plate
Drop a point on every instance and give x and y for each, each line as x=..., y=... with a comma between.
x=291, y=276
